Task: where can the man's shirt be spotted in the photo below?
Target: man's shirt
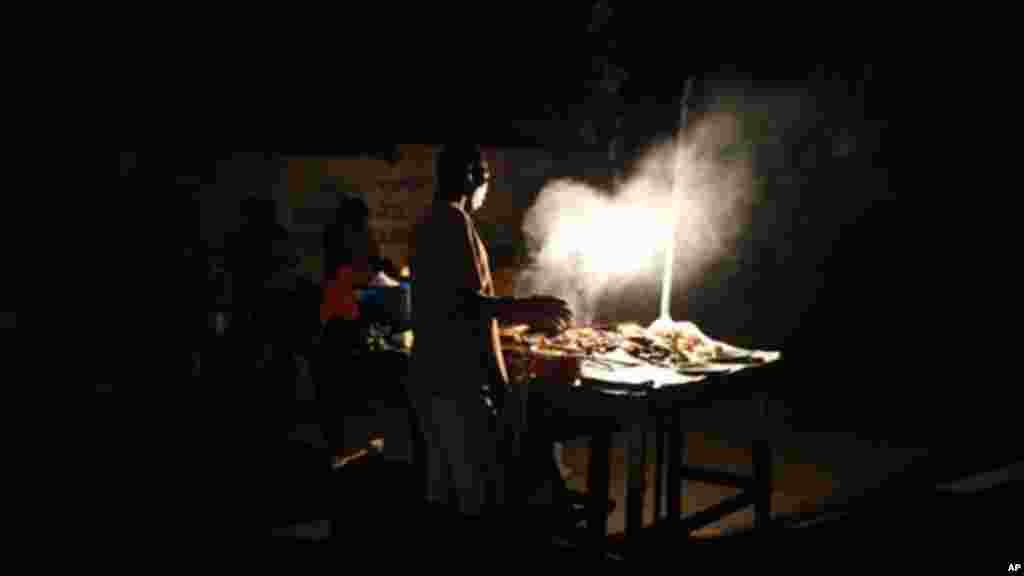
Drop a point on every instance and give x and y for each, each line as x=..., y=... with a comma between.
x=456, y=351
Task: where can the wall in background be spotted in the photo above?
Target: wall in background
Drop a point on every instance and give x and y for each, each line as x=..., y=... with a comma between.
x=395, y=193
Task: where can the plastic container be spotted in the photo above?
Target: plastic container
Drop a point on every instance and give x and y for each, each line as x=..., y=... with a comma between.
x=390, y=304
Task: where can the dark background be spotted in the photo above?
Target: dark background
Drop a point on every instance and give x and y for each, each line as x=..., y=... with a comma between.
x=891, y=299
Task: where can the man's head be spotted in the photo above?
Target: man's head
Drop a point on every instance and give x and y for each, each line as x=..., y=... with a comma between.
x=462, y=174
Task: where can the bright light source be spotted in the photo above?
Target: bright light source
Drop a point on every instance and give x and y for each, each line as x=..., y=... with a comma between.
x=593, y=244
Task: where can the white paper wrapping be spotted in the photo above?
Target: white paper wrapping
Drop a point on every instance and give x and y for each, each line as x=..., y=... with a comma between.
x=635, y=374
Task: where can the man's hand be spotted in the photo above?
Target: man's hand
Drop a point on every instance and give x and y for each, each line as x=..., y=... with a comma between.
x=544, y=313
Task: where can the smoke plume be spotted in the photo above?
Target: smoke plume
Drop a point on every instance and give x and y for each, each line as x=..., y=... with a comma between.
x=588, y=244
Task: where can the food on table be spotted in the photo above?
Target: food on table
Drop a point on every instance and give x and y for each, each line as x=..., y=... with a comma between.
x=668, y=344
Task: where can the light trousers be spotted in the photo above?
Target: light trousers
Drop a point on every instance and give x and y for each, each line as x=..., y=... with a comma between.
x=462, y=453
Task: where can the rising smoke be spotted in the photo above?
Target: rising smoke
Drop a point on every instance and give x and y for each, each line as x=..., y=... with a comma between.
x=589, y=244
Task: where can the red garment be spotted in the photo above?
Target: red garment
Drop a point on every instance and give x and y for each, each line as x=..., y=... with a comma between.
x=339, y=296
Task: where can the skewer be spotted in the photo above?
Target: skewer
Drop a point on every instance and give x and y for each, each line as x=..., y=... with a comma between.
x=666, y=280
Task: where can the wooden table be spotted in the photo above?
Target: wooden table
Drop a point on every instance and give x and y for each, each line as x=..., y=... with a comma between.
x=603, y=411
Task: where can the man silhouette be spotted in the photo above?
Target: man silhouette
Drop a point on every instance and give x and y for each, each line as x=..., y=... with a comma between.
x=457, y=368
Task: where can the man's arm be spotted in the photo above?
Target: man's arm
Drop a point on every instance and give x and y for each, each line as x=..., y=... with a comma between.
x=542, y=313
x=463, y=266
x=501, y=308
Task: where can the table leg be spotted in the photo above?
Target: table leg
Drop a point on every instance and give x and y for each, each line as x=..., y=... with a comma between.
x=762, y=478
x=676, y=457
x=637, y=446
x=597, y=488
x=661, y=471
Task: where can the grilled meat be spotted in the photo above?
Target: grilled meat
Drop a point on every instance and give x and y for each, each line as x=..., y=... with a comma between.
x=674, y=345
